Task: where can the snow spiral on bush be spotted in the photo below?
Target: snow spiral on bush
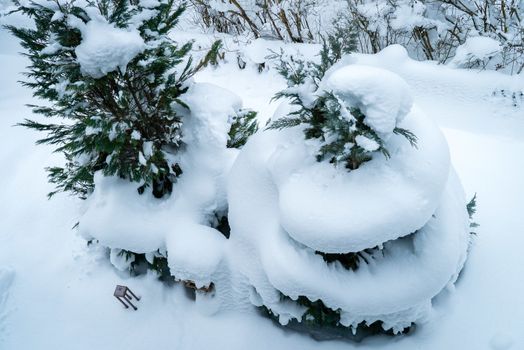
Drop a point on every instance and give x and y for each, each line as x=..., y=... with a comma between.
x=284, y=206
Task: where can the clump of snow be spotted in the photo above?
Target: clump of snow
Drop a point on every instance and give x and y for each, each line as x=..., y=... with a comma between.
x=105, y=48
x=476, y=49
x=383, y=97
x=411, y=14
x=207, y=159
x=206, y=126
x=392, y=56
x=375, y=13
x=194, y=252
x=149, y=3
x=120, y=218
x=367, y=143
x=51, y=49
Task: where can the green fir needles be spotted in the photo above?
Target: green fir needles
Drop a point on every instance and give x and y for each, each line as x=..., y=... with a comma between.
x=113, y=79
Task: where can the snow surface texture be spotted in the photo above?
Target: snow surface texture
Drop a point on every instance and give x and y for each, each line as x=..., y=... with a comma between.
x=284, y=206
x=6, y=278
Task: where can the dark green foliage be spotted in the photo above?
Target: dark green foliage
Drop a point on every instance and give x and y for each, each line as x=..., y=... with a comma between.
x=350, y=261
x=408, y=135
x=472, y=206
x=318, y=314
x=243, y=125
x=140, y=265
x=324, y=323
x=472, y=210
x=221, y=224
x=123, y=123
x=342, y=41
x=328, y=119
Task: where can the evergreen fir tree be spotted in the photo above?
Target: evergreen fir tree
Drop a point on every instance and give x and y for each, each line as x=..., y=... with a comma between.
x=123, y=122
x=338, y=127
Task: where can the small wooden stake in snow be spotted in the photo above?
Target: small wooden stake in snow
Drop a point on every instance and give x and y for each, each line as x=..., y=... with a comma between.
x=125, y=295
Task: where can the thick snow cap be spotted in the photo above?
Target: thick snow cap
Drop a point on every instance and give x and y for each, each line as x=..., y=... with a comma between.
x=382, y=96
x=105, y=48
x=336, y=211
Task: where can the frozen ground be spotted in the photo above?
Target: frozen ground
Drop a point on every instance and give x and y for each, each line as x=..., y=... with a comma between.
x=55, y=293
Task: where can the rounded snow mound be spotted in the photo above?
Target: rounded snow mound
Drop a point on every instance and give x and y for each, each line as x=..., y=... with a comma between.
x=382, y=96
x=382, y=200
x=477, y=48
x=406, y=215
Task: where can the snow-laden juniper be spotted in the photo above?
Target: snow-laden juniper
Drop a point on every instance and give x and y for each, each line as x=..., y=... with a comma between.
x=125, y=122
x=326, y=119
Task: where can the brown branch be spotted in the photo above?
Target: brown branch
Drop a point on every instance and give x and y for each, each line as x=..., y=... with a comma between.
x=135, y=98
x=283, y=18
x=244, y=15
x=273, y=24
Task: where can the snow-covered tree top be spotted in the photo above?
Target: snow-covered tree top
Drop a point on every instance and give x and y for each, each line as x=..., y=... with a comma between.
x=382, y=96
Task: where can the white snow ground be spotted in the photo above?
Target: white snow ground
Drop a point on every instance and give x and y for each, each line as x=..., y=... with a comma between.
x=55, y=293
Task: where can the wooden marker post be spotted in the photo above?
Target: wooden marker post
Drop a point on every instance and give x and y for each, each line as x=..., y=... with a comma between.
x=125, y=295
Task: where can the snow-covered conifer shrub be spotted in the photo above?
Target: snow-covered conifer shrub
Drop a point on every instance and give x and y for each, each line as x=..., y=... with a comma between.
x=113, y=79
x=182, y=236
x=346, y=214
x=345, y=136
